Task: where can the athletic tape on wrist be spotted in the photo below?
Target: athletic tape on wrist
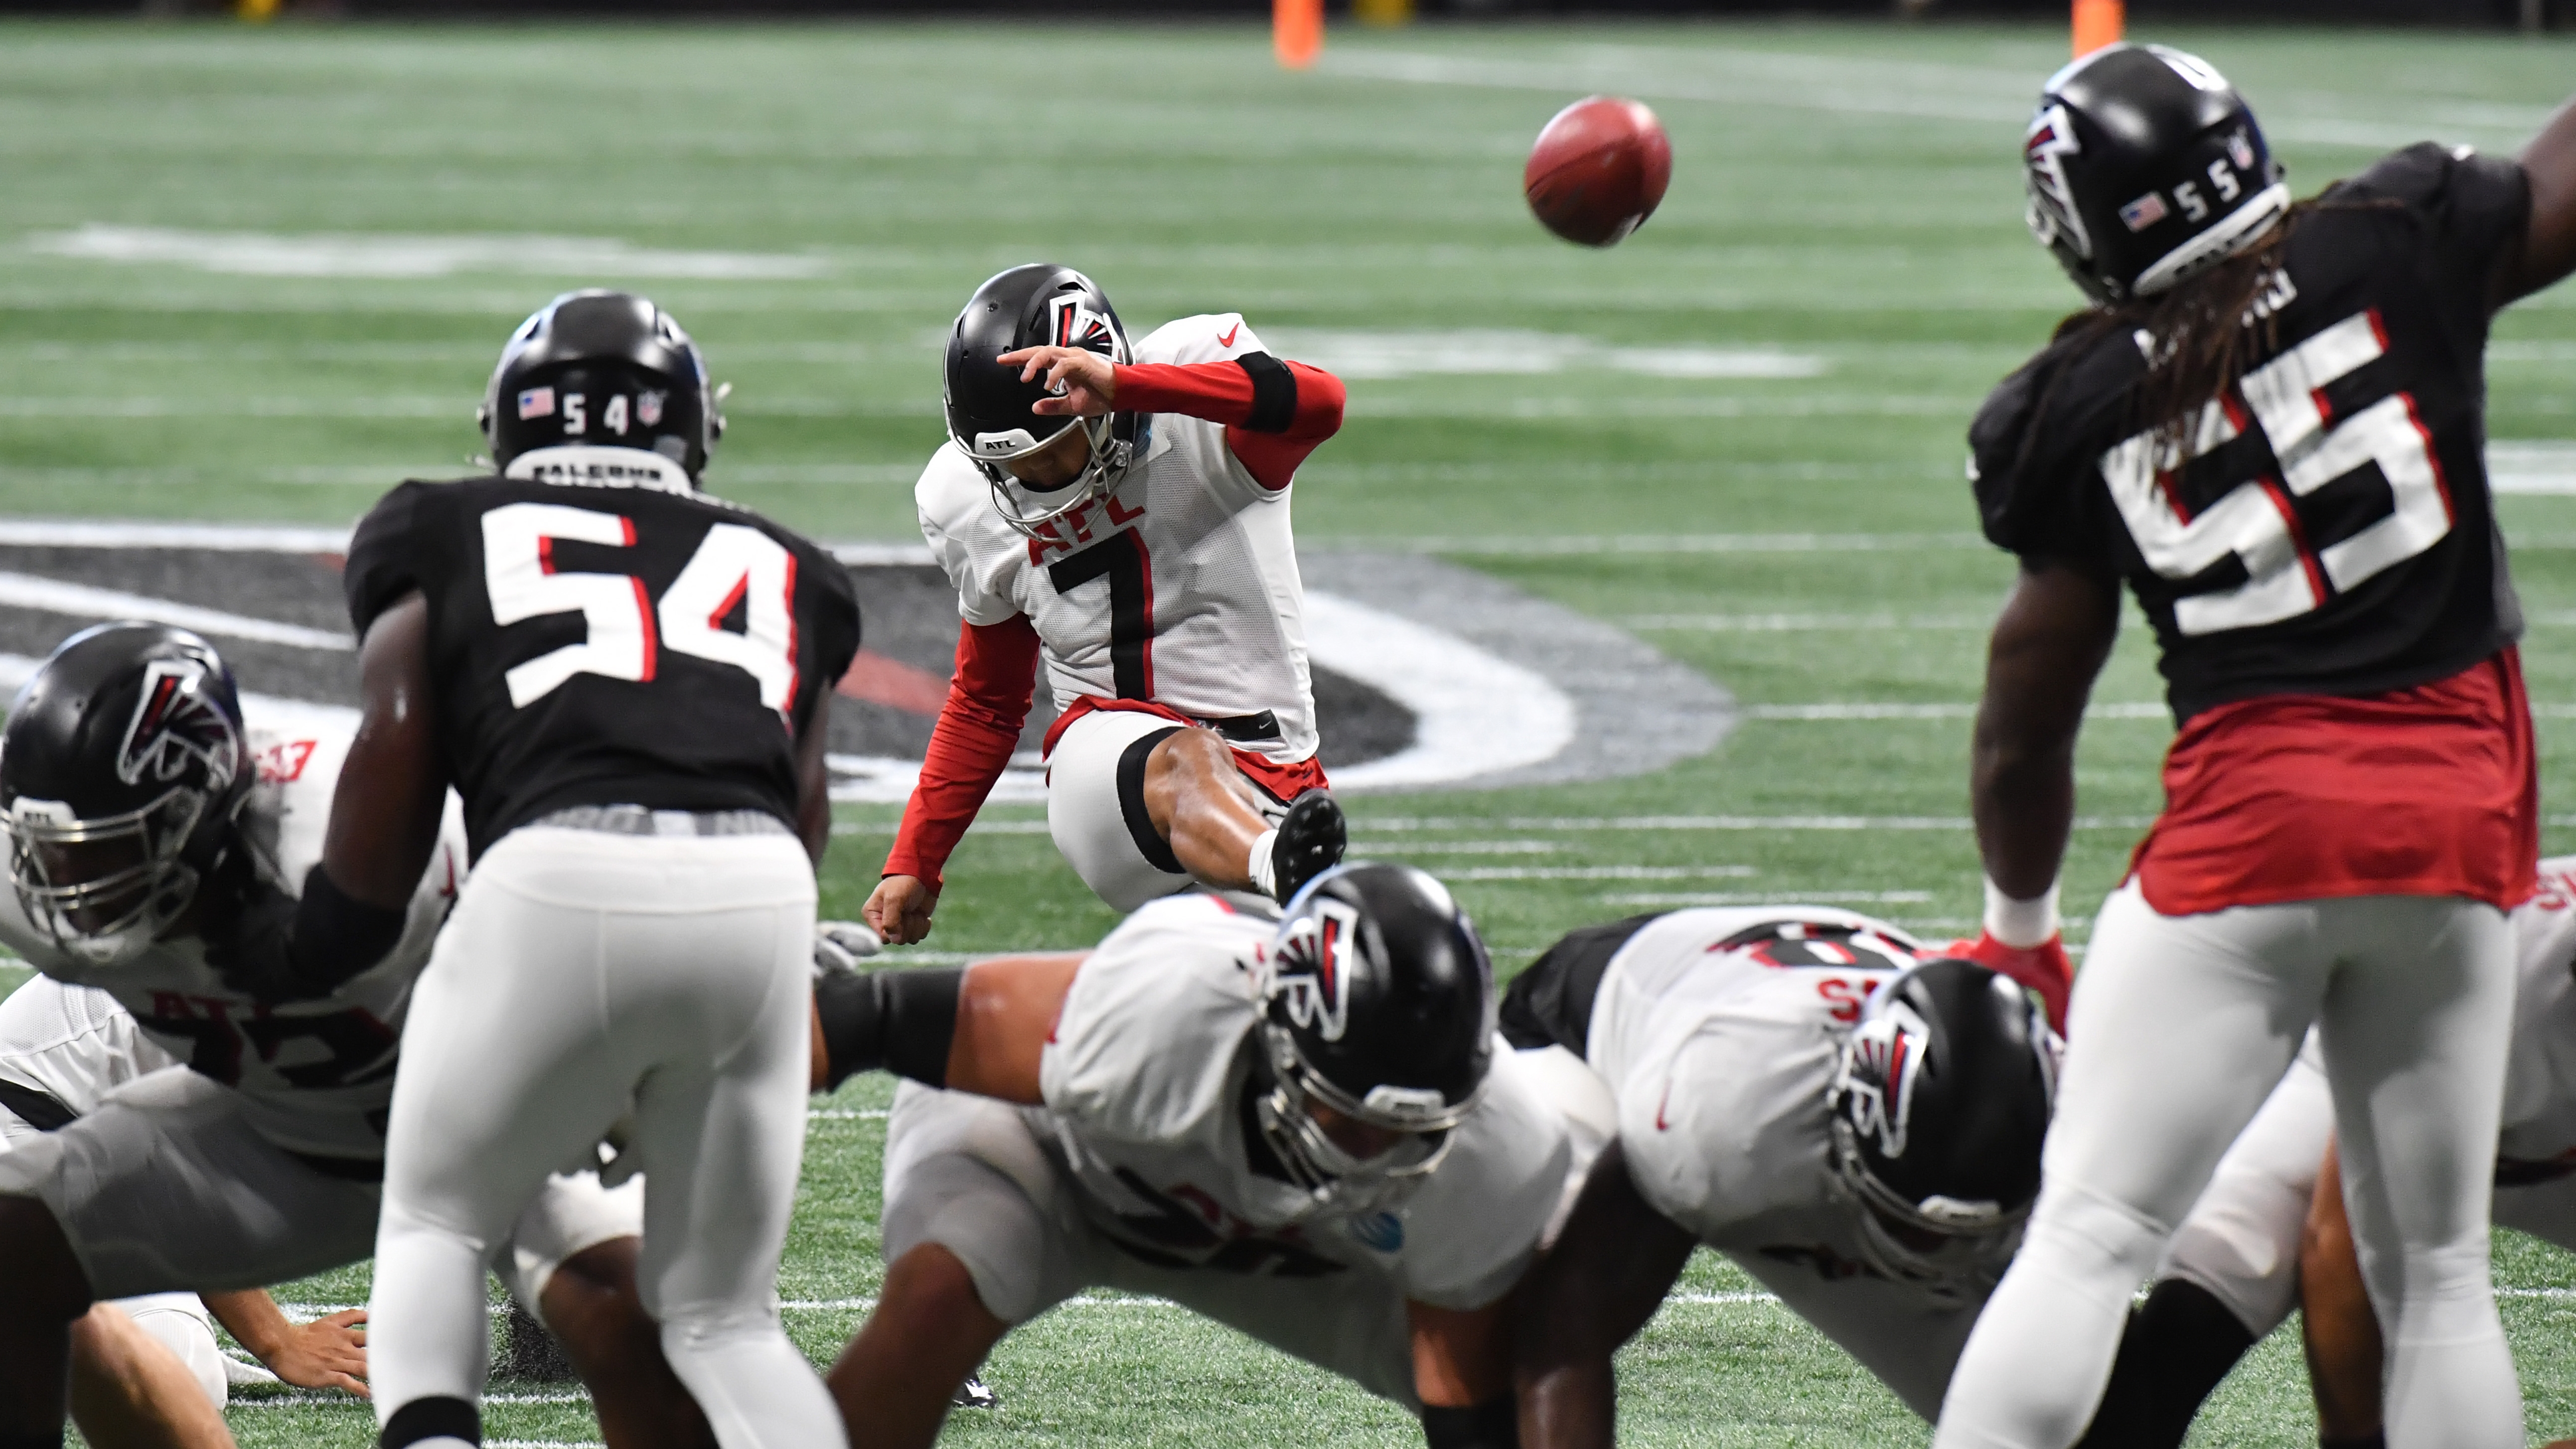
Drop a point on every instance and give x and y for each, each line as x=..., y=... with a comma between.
x=2021, y=924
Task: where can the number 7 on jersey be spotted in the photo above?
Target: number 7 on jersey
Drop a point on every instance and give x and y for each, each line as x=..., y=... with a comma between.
x=733, y=566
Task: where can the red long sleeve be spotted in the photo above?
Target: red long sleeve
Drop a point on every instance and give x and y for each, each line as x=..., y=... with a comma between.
x=978, y=729
x=1275, y=413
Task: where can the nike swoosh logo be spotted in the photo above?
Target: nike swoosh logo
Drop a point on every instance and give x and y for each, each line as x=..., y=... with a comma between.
x=1228, y=339
x=1666, y=1100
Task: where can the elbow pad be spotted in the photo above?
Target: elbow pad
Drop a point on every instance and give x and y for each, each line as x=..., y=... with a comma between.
x=893, y=1021
x=1493, y=1424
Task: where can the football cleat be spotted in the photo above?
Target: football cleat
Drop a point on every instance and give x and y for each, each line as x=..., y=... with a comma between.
x=1311, y=839
x=975, y=1394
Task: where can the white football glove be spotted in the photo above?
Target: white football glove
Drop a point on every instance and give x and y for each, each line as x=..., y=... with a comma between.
x=843, y=944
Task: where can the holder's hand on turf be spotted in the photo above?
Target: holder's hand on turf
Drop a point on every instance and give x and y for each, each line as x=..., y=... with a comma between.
x=328, y=1353
x=2044, y=968
x=898, y=910
x=1085, y=383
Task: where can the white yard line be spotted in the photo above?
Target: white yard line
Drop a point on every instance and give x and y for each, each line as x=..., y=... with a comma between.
x=56, y=596
x=1599, y=872
x=1767, y=898
x=1401, y=824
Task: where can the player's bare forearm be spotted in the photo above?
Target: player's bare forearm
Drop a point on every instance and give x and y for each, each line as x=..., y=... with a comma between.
x=2049, y=645
x=393, y=788
x=1006, y=1009
x=1461, y=1357
x=1607, y=1274
x=2336, y=1323
x=2548, y=249
x=814, y=784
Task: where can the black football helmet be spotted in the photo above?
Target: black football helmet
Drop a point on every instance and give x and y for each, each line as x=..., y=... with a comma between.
x=991, y=413
x=2143, y=166
x=607, y=370
x=1377, y=1001
x=1938, y=1107
x=122, y=767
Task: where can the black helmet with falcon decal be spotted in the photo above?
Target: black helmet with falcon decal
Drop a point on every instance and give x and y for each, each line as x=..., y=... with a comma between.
x=1938, y=1106
x=2144, y=166
x=122, y=766
x=1377, y=1002
x=992, y=415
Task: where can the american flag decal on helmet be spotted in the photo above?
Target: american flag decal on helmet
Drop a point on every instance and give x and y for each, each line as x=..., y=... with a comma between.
x=175, y=722
x=1312, y=972
x=1880, y=1072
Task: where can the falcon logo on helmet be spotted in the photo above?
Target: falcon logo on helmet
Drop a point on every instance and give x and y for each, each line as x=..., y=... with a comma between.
x=2053, y=218
x=174, y=722
x=1876, y=1080
x=1078, y=325
x=1313, y=977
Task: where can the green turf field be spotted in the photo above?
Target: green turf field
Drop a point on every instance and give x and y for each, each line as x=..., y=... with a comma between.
x=208, y=309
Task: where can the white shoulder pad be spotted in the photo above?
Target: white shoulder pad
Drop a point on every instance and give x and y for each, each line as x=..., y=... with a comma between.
x=1475, y=1226
x=1153, y=1022
x=1209, y=337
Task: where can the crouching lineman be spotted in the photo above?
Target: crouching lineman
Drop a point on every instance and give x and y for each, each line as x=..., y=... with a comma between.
x=1302, y=1131
x=1126, y=522
x=1857, y=1129
x=147, y=1370
x=140, y=812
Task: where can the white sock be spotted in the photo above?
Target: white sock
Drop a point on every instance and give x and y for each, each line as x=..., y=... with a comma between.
x=1264, y=878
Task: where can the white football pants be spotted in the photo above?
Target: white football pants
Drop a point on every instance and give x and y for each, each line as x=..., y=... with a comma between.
x=582, y=974
x=2181, y=1027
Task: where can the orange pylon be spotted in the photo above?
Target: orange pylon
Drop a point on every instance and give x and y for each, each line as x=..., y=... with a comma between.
x=2097, y=23
x=1297, y=31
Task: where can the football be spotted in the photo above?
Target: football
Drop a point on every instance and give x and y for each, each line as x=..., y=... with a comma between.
x=1598, y=170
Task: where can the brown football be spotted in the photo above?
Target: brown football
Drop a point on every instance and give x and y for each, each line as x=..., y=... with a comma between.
x=1598, y=170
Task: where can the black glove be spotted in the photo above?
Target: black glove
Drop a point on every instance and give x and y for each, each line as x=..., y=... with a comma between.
x=250, y=941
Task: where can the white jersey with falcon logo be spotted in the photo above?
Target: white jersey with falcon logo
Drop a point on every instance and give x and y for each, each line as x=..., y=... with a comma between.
x=1148, y=1080
x=1718, y=1031
x=1180, y=587
x=314, y=1076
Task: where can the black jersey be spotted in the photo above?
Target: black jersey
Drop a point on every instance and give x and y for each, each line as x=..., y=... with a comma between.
x=610, y=645
x=2327, y=529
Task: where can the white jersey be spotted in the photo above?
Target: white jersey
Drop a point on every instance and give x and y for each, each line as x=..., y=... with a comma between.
x=2540, y=1072
x=315, y=1076
x=1719, y=1031
x=1199, y=606
x=1147, y=1082
x=72, y=1043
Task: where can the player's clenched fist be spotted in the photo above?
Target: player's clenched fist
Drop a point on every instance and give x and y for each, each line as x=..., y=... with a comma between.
x=899, y=909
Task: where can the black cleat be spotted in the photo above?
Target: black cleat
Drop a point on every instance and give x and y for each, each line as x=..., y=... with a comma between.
x=1312, y=837
x=975, y=1394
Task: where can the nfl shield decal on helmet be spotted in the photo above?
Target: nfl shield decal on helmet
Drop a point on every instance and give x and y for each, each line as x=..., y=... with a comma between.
x=175, y=722
x=648, y=409
x=1879, y=1074
x=1313, y=967
x=2044, y=149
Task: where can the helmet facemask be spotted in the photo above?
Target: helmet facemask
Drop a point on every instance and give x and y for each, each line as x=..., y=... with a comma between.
x=104, y=890
x=1110, y=457
x=1333, y=1178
